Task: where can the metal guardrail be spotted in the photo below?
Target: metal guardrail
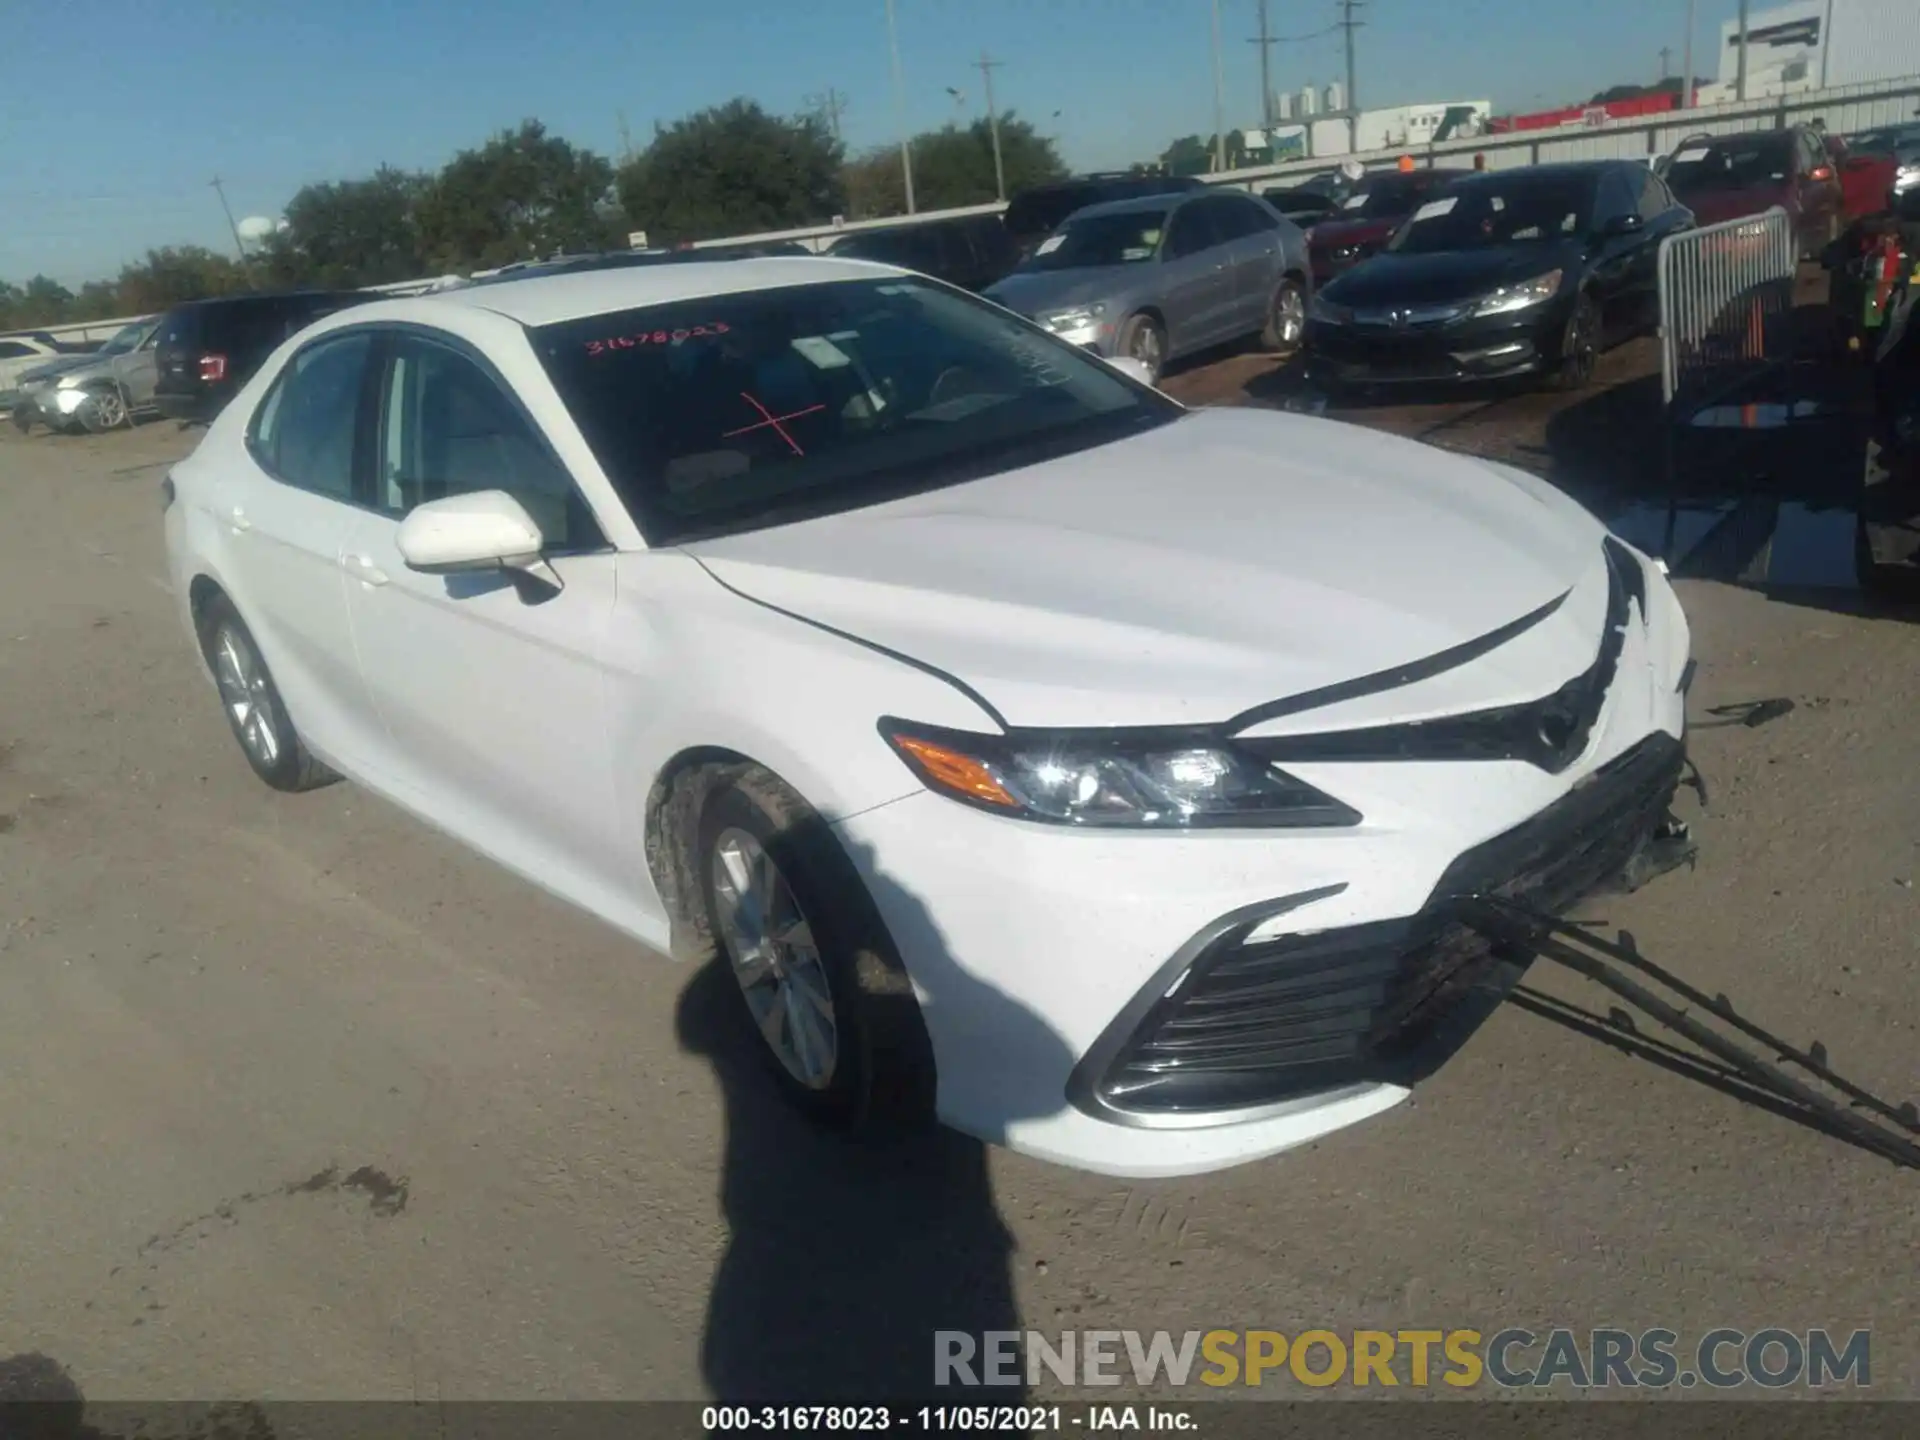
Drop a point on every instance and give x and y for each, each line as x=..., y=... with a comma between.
x=1720, y=288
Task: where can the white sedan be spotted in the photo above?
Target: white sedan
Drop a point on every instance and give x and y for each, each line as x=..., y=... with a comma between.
x=1089, y=772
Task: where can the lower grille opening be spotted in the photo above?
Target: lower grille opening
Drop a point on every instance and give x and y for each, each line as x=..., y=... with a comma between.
x=1257, y=1024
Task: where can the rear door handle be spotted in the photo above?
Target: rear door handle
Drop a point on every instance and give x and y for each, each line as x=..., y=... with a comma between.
x=363, y=569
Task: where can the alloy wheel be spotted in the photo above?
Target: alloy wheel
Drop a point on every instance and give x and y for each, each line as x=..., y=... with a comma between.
x=1289, y=315
x=1581, y=352
x=775, y=959
x=247, y=694
x=107, y=410
x=1147, y=347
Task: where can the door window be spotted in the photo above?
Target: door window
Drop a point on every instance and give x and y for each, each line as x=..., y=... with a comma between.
x=447, y=428
x=1616, y=199
x=1233, y=219
x=304, y=432
x=1654, y=200
x=14, y=350
x=1191, y=232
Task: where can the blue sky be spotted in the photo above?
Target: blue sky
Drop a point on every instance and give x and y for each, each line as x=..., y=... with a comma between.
x=115, y=123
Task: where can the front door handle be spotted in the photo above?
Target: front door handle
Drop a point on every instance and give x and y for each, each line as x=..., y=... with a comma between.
x=363, y=569
x=238, y=519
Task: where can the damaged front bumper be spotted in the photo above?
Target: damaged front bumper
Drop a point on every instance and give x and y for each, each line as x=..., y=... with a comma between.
x=1238, y=1024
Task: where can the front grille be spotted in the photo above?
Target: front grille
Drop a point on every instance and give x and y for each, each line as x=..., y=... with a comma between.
x=1255, y=1024
x=1550, y=733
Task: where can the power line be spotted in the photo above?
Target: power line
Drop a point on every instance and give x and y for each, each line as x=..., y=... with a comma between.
x=987, y=66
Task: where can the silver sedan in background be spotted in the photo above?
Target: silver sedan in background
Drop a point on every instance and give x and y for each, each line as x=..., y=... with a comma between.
x=1162, y=276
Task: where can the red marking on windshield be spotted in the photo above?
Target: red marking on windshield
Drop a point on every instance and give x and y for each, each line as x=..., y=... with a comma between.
x=658, y=337
x=769, y=418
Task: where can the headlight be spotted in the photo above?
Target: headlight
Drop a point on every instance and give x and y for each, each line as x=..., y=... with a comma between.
x=1329, y=311
x=1080, y=317
x=66, y=382
x=1509, y=298
x=1155, y=782
x=1907, y=176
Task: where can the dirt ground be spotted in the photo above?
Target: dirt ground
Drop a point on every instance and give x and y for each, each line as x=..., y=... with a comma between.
x=301, y=1100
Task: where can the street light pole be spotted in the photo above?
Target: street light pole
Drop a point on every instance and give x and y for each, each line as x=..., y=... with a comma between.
x=987, y=67
x=1219, y=99
x=1686, y=63
x=900, y=107
x=1740, y=82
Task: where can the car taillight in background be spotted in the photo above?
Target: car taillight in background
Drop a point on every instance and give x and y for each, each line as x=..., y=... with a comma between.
x=213, y=367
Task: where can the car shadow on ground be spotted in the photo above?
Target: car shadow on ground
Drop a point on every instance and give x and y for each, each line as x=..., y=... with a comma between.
x=1762, y=490
x=845, y=1257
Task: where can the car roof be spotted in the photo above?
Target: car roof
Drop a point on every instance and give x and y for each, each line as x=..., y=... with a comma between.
x=554, y=299
x=1562, y=170
x=1135, y=204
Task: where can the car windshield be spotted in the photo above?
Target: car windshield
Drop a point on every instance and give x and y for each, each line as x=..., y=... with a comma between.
x=1740, y=164
x=1893, y=140
x=740, y=411
x=126, y=340
x=1129, y=238
x=1381, y=197
x=1481, y=214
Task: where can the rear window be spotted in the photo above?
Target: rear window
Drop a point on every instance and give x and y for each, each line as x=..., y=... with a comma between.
x=1740, y=164
x=180, y=329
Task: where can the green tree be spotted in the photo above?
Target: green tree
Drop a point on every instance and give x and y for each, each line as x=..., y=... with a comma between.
x=173, y=274
x=953, y=166
x=1189, y=155
x=733, y=169
x=40, y=301
x=522, y=195
x=351, y=232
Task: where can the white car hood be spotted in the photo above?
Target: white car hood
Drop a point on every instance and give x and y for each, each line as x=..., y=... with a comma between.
x=1215, y=564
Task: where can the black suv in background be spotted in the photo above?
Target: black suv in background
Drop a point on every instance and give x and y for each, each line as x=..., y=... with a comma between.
x=971, y=251
x=208, y=349
x=1034, y=214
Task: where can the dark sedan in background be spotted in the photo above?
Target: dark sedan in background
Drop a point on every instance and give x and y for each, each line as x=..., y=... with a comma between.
x=1520, y=272
x=1366, y=217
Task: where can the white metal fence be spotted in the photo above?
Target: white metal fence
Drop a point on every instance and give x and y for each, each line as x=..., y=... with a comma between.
x=1721, y=288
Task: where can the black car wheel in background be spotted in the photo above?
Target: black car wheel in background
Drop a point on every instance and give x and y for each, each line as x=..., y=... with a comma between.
x=208, y=349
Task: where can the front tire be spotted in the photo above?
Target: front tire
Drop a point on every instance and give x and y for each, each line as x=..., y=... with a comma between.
x=102, y=411
x=255, y=712
x=1286, y=325
x=819, y=983
x=1579, y=347
x=1144, y=339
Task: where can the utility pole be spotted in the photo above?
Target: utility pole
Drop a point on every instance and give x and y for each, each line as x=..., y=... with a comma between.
x=1686, y=63
x=987, y=66
x=1266, y=42
x=1349, y=24
x=900, y=108
x=626, y=138
x=239, y=249
x=829, y=107
x=1219, y=98
x=1740, y=81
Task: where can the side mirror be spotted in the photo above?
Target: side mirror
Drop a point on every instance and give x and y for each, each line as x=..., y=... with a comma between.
x=487, y=530
x=1133, y=369
x=1629, y=224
